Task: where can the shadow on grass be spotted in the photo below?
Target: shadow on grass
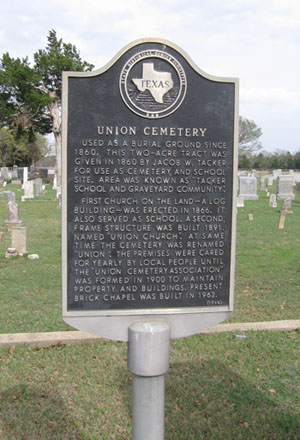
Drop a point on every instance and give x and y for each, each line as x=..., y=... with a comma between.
x=210, y=401
x=33, y=413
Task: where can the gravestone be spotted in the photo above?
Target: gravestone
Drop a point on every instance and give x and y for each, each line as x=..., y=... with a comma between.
x=285, y=187
x=276, y=173
x=296, y=177
x=54, y=182
x=14, y=174
x=25, y=177
x=273, y=201
x=240, y=202
x=282, y=219
x=248, y=187
x=28, y=189
x=38, y=184
x=270, y=180
x=4, y=173
x=11, y=196
x=58, y=192
x=18, y=239
x=13, y=215
x=287, y=205
x=11, y=252
x=263, y=184
x=149, y=166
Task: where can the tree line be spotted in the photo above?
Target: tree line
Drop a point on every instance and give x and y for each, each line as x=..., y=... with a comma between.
x=271, y=161
x=30, y=108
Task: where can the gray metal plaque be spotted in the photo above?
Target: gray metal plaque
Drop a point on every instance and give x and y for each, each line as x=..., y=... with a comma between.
x=149, y=185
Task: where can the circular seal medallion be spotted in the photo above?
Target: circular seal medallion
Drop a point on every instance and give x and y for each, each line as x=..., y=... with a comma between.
x=153, y=84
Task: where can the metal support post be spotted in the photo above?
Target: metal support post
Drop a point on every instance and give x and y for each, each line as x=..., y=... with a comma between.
x=148, y=361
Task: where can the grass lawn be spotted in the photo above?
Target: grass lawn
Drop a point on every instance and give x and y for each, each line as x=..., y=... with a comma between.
x=267, y=266
x=267, y=280
x=218, y=386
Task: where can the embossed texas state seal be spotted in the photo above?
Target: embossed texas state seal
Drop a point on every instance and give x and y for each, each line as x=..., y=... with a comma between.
x=153, y=84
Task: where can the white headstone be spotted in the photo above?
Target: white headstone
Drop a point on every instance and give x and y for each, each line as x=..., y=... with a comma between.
x=240, y=202
x=285, y=188
x=13, y=215
x=273, y=201
x=296, y=177
x=58, y=191
x=277, y=173
x=270, y=180
x=25, y=176
x=18, y=239
x=54, y=181
x=4, y=173
x=28, y=189
x=248, y=187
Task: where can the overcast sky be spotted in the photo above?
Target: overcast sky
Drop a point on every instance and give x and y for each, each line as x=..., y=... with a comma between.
x=257, y=41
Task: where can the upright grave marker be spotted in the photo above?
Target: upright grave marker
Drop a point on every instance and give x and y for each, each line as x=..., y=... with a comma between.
x=248, y=187
x=285, y=187
x=28, y=189
x=149, y=186
x=38, y=184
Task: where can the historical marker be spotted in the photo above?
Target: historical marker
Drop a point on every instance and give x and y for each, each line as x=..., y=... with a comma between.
x=149, y=186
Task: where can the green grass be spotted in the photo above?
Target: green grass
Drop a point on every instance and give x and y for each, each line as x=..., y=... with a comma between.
x=31, y=289
x=267, y=266
x=267, y=263
x=218, y=387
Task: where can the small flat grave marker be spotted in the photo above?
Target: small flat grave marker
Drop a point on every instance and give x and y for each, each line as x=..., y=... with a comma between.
x=282, y=219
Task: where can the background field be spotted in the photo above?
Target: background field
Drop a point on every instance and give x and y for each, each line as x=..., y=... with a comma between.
x=223, y=386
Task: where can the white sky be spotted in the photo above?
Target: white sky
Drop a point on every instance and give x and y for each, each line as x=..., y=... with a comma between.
x=256, y=41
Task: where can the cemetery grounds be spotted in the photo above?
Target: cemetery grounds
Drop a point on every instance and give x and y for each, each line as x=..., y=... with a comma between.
x=220, y=386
